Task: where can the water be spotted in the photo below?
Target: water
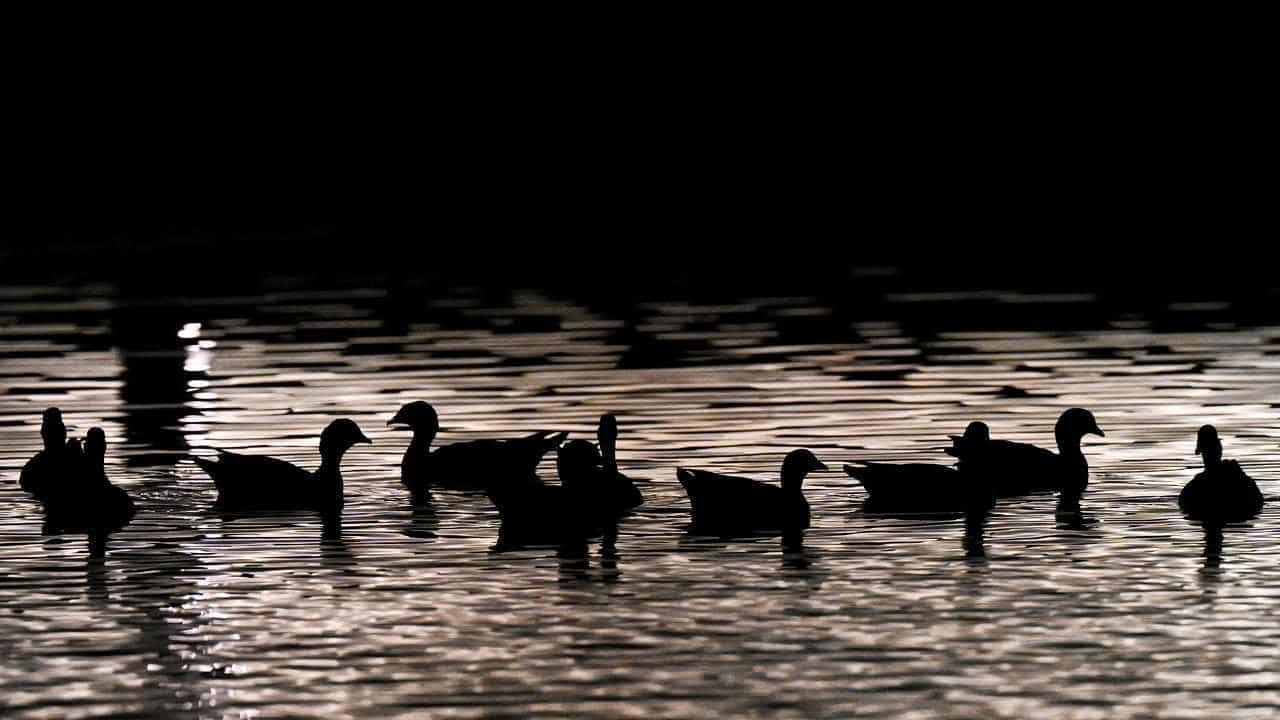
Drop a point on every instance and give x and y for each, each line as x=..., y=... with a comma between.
x=1129, y=611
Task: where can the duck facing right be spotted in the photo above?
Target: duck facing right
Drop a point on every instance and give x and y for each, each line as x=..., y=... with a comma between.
x=1222, y=491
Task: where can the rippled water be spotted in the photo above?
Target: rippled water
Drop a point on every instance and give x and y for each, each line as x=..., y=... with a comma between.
x=1127, y=612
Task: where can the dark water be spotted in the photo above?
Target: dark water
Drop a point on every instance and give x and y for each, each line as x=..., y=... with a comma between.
x=1128, y=611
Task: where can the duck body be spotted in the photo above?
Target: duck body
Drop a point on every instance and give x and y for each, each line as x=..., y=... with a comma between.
x=476, y=464
x=90, y=503
x=56, y=467
x=1222, y=492
x=247, y=481
x=471, y=465
x=48, y=472
x=618, y=491
x=259, y=482
x=1012, y=468
x=728, y=505
x=920, y=488
x=545, y=515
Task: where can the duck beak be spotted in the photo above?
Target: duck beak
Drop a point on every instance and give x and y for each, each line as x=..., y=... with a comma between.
x=1199, y=450
x=364, y=440
x=817, y=465
x=1098, y=431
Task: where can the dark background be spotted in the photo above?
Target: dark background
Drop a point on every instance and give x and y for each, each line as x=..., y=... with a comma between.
x=728, y=151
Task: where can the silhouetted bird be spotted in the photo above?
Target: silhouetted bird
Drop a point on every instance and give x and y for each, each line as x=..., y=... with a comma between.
x=925, y=488
x=728, y=505
x=581, y=506
x=473, y=465
x=57, y=465
x=593, y=483
x=251, y=481
x=620, y=486
x=1018, y=468
x=90, y=501
x=1222, y=492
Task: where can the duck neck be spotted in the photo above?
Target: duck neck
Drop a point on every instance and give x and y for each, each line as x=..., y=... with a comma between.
x=793, y=481
x=1068, y=444
x=330, y=460
x=421, y=442
x=607, y=454
x=1212, y=459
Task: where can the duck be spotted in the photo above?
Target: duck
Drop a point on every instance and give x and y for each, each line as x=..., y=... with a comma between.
x=580, y=507
x=1222, y=491
x=1013, y=468
x=923, y=487
x=53, y=468
x=256, y=481
x=472, y=465
x=622, y=489
x=593, y=483
x=729, y=505
x=91, y=502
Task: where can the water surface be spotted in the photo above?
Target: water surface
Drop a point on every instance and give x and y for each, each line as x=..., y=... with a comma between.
x=1128, y=611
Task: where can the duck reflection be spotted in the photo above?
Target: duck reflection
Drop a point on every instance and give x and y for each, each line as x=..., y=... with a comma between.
x=424, y=524
x=149, y=590
x=974, y=540
x=573, y=559
x=1069, y=515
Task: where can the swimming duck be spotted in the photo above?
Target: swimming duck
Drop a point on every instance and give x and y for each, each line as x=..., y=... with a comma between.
x=1222, y=491
x=587, y=476
x=578, y=508
x=90, y=502
x=56, y=466
x=472, y=465
x=727, y=505
x=247, y=481
x=924, y=488
x=1018, y=468
x=622, y=488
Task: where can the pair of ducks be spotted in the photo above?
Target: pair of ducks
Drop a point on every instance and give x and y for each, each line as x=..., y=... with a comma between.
x=591, y=491
x=70, y=480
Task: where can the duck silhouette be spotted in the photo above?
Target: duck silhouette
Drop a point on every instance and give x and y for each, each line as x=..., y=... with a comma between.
x=90, y=502
x=728, y=505
x=580, y=507
x=922, y=487
x=256, y=481
x=1222, y=492
x=621, y=488
x=1013, y=468
x=472, y=465
x=592, y=482
x=57, y=465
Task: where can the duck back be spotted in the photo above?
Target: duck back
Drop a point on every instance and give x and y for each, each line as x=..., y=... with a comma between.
x=1013, y=468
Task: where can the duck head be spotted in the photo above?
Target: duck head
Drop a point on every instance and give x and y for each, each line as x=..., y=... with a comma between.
x=576, y=459
x=419, y=417
x=1073, y=425
x=796, y=466
x=53, y=431
x=977, y=431
x=338, y=438
x=1208, y=446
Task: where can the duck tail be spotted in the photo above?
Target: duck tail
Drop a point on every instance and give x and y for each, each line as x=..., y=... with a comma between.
x=209, y=466
x=685, y=477
x=853, y=471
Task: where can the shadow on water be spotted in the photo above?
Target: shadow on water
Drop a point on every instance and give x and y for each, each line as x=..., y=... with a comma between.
x=157, y=367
